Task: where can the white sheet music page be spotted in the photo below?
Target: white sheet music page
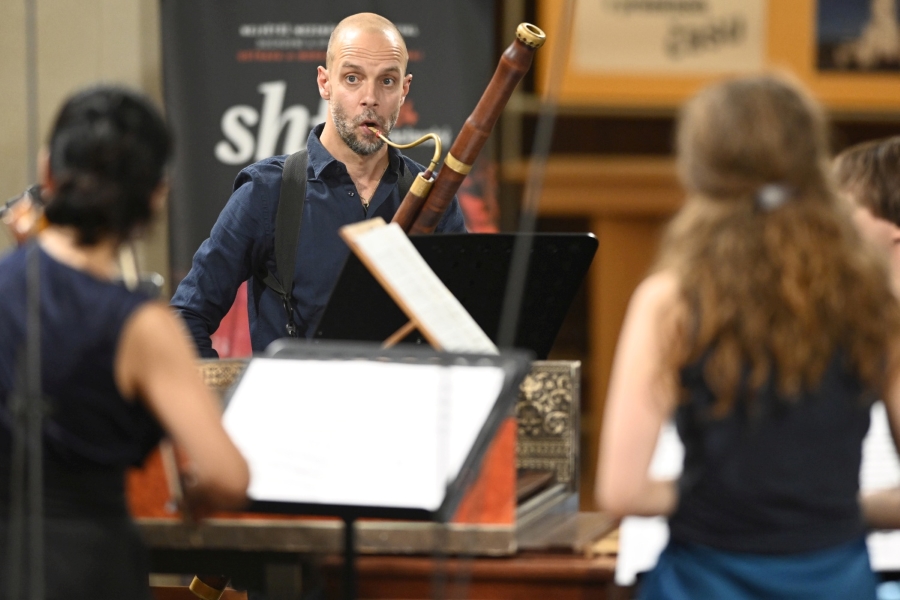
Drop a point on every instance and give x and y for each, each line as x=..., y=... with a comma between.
x=880, y=469
x=358, y=433
x=642, y=539
x=390, y=251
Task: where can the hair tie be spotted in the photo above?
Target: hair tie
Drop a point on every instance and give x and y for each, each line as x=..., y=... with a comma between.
x=770, y=196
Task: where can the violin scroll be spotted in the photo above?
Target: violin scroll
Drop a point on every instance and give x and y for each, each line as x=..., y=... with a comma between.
x=23, y=215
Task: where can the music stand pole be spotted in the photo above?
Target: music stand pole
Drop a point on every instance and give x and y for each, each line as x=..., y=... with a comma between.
x=350, y=582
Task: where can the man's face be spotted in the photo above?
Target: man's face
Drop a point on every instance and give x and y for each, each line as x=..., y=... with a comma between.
x=366, y=86
x=354, y=131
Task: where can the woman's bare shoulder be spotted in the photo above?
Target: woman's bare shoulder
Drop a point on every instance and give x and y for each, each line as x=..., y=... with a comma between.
x=155, y=322
x=659, y=291
x=153, y=341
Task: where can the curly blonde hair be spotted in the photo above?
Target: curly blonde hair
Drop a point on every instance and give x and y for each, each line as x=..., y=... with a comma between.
x=771, y=292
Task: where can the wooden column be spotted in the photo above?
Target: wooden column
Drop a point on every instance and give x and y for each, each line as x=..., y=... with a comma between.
x=627, y=202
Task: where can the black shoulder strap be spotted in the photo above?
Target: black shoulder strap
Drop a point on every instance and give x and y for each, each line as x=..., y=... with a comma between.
x=288, y=219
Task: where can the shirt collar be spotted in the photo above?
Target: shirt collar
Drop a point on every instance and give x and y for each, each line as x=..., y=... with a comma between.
x=320, y=158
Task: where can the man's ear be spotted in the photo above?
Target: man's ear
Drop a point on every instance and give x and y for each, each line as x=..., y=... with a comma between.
x=406, y=81
x=323, y=82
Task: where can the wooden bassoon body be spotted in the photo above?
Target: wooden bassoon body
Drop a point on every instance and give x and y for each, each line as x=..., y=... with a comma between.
x=425, y=203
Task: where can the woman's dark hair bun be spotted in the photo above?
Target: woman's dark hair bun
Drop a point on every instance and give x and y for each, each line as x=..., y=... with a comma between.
x=108, y=152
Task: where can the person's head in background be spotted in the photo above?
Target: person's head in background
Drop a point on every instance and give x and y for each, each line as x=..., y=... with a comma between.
x=740, y=135
x=102, y=175
x=868, y=174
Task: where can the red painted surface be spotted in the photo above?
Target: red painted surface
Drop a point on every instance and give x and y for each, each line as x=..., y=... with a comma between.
x=491, y=500
x=232, y=338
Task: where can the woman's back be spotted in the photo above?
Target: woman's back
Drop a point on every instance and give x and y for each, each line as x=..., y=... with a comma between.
x=91, y=433
x=89, y=424
x=776, y=475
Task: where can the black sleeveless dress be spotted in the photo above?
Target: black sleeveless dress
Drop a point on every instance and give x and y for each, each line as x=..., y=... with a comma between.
x=91, y=434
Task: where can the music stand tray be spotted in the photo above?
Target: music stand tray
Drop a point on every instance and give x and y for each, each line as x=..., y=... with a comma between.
x=475, y=268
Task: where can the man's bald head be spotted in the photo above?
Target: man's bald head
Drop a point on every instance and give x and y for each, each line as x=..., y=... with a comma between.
x=368, y=23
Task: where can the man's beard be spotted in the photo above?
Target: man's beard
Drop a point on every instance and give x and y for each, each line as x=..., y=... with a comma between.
x=349, y=131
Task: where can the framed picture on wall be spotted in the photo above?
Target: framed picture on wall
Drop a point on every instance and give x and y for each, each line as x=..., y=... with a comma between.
x=626, y=54
x=858, y=35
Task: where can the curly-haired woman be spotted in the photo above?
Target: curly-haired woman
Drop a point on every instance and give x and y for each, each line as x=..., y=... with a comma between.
x=767, y=329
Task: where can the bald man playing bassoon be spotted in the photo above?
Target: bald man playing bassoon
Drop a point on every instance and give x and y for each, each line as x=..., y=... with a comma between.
x=351, y=175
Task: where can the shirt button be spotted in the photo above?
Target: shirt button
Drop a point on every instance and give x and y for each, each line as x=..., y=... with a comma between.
x=351, y=193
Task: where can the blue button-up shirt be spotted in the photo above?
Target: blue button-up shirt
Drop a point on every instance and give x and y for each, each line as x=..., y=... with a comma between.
x=243, y=239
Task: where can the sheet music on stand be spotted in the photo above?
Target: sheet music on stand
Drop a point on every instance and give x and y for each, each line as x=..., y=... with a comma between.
x=880, y=469
x=475, y=268
x=387, y=252
x=354, y=429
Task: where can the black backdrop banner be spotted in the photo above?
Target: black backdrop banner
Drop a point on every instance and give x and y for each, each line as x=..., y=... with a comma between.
x=240, y=85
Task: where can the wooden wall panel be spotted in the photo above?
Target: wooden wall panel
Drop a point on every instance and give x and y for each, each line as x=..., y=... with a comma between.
x=627, y=202
x=628, y=247
x=78, y=44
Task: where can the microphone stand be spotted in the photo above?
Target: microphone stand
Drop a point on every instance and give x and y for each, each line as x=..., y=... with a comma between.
x=27, y=408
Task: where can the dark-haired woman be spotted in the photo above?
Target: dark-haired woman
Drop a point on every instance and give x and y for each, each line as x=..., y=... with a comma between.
x=766, y=330
x=117, y=368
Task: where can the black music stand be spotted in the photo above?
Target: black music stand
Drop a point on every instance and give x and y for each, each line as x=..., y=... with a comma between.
x=263, y=406
x=475, y=268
